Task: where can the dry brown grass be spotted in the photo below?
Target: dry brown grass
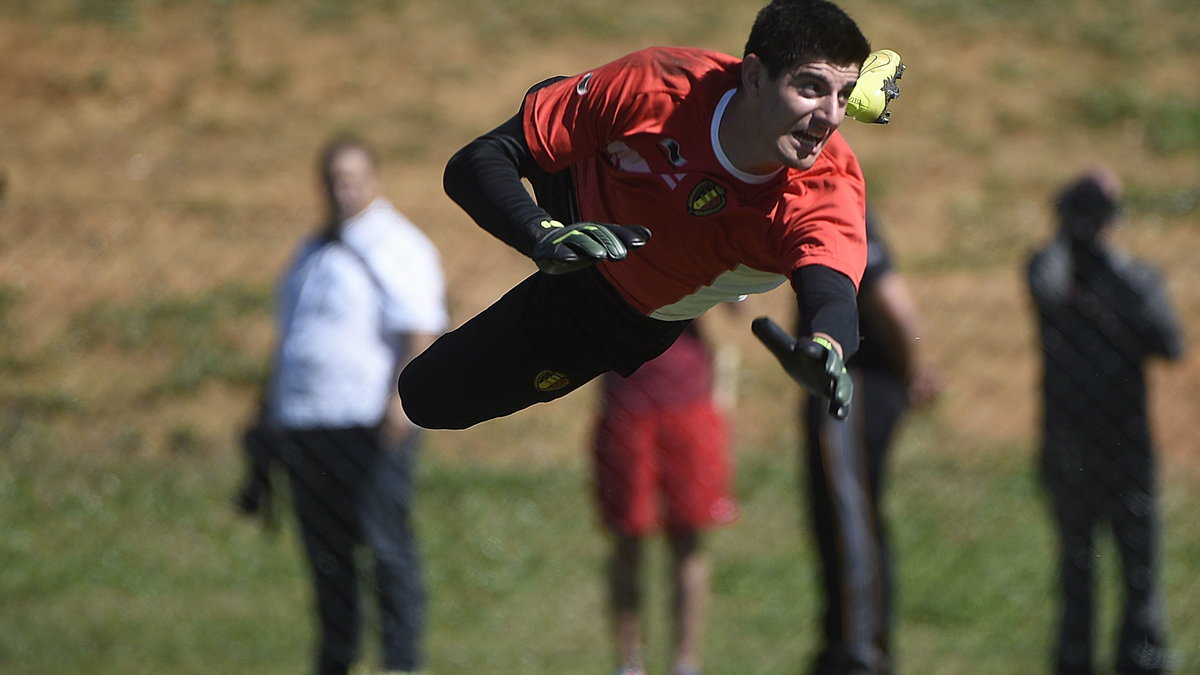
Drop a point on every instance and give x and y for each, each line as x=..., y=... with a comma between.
x=175, y=154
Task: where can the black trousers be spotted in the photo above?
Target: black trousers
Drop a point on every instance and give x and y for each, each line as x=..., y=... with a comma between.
x=845, y=467
x=350, y=489
x=1092, y=485
x=545, y=338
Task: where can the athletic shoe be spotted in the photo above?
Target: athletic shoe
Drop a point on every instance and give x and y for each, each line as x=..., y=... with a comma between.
x=630, y=670
x=876, y=87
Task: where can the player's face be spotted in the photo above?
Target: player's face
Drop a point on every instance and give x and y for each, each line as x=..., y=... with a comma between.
x=800, y=110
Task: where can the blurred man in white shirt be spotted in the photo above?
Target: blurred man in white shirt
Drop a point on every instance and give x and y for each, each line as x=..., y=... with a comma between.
x=362, y=297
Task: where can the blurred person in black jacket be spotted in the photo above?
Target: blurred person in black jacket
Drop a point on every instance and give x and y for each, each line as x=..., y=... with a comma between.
x=846, y=461
x=1101, y=316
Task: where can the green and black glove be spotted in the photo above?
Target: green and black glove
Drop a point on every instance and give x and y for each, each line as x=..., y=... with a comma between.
x=813, y=363
x=565, y=248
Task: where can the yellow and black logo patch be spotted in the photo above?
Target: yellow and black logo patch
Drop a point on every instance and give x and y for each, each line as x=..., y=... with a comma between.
x=707, y=198
x=548, y=380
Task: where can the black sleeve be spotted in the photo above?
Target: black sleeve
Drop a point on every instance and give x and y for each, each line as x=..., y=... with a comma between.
x=484, y=178
x=828, y=303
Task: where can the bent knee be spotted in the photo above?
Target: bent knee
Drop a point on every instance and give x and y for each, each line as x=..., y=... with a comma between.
x=429, y=401
x=419, y=399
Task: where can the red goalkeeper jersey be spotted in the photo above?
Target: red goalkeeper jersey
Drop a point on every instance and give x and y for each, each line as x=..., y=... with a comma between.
x=640, y=137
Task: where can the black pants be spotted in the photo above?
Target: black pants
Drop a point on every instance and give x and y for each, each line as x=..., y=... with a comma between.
x=1091, y=486
x=348, y=489
x=545, y=338
x=845, y=466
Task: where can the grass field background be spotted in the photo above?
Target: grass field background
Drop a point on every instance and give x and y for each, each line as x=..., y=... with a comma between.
x=156, y=169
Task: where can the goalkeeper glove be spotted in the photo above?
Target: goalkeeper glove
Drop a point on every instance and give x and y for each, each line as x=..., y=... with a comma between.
x=565, y=248
x=813, y=363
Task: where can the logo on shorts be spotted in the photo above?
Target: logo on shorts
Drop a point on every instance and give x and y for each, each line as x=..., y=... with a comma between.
x=548, y=380
x=707, y=198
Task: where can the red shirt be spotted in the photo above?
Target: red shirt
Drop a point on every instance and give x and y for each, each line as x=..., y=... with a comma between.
x=682, y=374
x=640, y=136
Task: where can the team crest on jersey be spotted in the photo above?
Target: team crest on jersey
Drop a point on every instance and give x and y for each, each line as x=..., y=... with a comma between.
x=707, y=198
x=548, y=380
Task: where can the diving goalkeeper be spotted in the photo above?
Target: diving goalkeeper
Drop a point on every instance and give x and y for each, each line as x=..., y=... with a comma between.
x=665, y=182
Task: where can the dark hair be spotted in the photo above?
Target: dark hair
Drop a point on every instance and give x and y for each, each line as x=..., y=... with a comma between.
x=1085, y=208
x=787, y=33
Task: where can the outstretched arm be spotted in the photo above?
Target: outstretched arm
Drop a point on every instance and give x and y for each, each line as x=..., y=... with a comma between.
x=815, y=363
x=829, y=335
x=484, y=178
x=828, y=305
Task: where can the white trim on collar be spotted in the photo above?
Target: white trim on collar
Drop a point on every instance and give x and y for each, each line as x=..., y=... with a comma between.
x=715, y=137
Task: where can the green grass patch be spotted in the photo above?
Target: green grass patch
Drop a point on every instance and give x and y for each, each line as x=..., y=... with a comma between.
x=1174, y=129
x=1154, y=200
x=12, y=360
x=198, y=333
x=119, y=564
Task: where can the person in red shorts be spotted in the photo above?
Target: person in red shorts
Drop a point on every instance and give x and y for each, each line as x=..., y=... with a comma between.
x=661, y=462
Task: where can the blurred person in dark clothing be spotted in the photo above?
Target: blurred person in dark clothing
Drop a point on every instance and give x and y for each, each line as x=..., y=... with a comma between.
x=363, y=295
x=845, y=464
x=1101, y=316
